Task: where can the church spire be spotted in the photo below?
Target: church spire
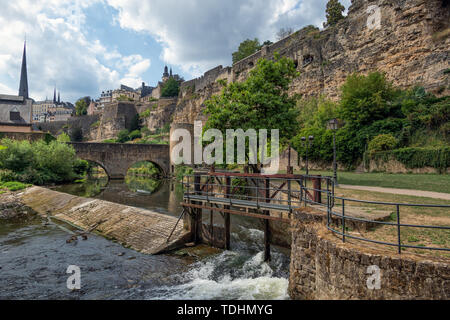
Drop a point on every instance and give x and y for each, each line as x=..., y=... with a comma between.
x=59, y=97
x=23, y=87
x=54, y=95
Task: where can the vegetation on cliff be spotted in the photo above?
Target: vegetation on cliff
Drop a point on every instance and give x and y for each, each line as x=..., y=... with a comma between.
x=334, y=13
x=376, y=115
x=39, y=162
x=246, y=48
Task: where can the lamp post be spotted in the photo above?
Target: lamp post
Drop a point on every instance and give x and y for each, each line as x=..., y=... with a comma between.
x=307, y=144
x=333, y=125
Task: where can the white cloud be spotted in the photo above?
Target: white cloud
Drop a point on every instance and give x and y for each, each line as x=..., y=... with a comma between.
x=197, y=35
x=135, y=65
x=58, y=51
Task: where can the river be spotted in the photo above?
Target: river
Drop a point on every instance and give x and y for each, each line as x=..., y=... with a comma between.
x=34, y=256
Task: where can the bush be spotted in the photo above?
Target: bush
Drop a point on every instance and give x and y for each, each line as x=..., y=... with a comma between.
x=382, y=142
x=38, y=162
x=438, y=158
x=123, y=136
x=136, y=134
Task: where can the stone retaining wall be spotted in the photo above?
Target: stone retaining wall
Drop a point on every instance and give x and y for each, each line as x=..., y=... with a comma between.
x=322, y=267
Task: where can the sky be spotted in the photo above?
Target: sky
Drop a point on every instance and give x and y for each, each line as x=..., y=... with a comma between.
x=84, y=47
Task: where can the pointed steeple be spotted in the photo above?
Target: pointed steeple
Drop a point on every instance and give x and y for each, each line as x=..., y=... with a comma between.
x=23, y=87
x=59, y=97
x=171, y=72
x=54, y=95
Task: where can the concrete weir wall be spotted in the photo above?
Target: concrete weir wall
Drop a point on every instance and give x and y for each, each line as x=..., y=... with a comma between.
x=142, y=230
x=322, y=267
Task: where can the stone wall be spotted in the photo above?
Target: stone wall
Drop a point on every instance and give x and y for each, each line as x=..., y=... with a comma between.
x=84, y=122
x=116, y=116
x=322, y=267
x=30, y=136
x=160, y=113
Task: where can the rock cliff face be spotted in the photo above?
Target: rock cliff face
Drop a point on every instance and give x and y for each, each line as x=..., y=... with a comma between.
x=411, y=46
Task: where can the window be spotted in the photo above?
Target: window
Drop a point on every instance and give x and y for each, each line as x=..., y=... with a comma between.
x=307, y=60
x=14, y=115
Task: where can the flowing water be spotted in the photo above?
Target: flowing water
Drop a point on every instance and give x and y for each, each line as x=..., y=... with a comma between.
x=34, y=256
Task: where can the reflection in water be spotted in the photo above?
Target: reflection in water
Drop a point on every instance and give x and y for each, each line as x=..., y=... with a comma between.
x=162, y=196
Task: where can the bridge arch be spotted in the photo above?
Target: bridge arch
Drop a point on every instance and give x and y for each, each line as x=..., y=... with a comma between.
x=155, y=163
x=117, y=158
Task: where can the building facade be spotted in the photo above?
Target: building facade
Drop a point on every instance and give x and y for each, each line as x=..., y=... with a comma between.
x=16, y=111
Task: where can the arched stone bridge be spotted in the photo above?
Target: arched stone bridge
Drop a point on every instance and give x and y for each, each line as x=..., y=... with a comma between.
x=117, y=158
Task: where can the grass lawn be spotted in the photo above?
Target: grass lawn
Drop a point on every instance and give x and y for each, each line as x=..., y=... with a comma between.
x=409, y=215
x=424, y=182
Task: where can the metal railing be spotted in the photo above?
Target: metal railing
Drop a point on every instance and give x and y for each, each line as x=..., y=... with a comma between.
x=397, y=224
x=289, y=192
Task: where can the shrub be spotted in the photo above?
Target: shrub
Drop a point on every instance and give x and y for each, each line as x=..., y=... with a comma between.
x=123, y=136
x=438, y=158
x=382, y=142
x=136, y=134
x=38, y=162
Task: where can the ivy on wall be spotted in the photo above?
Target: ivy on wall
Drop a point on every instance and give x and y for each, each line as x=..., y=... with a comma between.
x=438, y=158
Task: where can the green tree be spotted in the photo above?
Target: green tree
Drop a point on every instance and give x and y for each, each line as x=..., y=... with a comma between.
x=82, y=105
x=246, y=48
x=260, y=102
x=334, y=13
x=366, y=99
x=170, y=89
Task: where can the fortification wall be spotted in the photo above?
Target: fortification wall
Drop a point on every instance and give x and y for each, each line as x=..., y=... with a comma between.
x=83, y=122
x=117, y=116
x=411, y=47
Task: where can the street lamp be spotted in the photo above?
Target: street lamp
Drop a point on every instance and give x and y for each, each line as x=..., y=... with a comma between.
x=333, y=125
x=307, y=144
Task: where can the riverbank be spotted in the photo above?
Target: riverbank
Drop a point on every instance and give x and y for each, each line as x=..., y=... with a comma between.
x=142, y=230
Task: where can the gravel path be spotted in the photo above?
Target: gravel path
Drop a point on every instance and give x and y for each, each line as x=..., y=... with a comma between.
x=406, y=192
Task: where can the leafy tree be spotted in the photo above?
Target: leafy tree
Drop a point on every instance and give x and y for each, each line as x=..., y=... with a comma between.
x=267, y=43
x=246, y=48
x=82, y=105
x=316, y=112
x=365, y=99
x=284, y=32
x=170, y=89
x=260, y=102
x=334, y=13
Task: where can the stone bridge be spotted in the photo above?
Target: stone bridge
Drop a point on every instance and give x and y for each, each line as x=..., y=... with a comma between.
x=117, y=158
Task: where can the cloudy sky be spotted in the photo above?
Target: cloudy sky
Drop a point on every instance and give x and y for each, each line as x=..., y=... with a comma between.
x=86, y=46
